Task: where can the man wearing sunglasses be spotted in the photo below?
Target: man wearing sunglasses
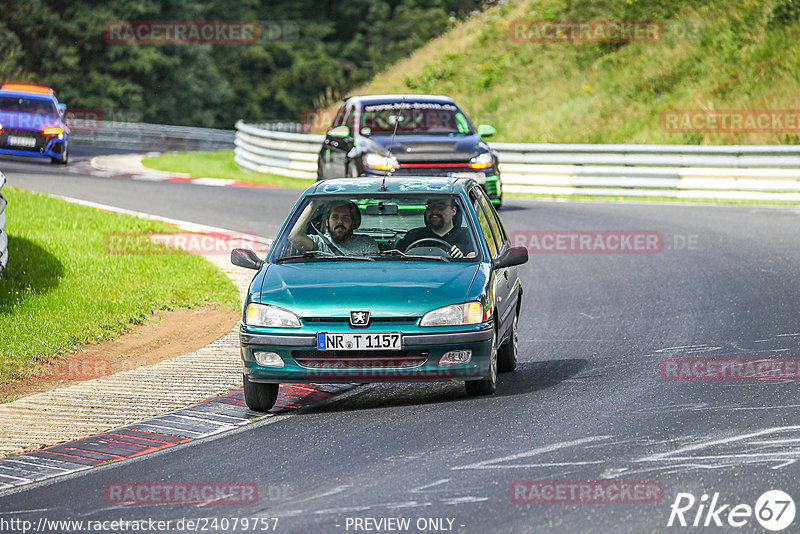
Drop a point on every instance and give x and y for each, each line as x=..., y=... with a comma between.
x=442, y=223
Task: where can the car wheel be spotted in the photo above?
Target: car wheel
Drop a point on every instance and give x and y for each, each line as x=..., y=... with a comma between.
x=486, y=386
x=259, y=397
x=62, y=161
x=507, y=353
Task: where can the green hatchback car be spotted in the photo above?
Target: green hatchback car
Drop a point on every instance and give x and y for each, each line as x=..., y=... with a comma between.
x=383, y=280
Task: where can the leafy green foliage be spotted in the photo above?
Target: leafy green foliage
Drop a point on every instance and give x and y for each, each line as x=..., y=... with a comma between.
x=339, y=45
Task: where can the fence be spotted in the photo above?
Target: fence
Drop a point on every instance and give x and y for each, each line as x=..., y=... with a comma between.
x=3, y=234
x=743, y=171
x=152, y=136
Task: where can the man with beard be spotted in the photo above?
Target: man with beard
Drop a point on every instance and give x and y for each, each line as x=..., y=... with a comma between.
x=439, y=214
x=339, y=221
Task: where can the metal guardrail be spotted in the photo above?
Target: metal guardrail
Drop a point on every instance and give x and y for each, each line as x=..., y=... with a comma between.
x=3, y=234
x=688, y=171
x=152, y=136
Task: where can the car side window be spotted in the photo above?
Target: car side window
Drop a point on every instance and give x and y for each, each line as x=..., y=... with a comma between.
x=339, y=119
x=494, y=220
x=483, y=220
x=350, y=119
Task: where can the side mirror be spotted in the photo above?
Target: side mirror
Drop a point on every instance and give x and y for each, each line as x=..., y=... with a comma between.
x=484, y=130
x=246, y=258
x=512, y=256
x=339, y=131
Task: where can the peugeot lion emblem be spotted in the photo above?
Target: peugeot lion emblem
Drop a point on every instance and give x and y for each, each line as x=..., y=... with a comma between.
x=359, y=318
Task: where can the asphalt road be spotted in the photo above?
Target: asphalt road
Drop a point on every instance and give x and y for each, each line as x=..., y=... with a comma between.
x=587, y=402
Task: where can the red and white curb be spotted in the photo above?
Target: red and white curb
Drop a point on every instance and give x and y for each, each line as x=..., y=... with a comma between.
x=130, y=166
x=206, y=418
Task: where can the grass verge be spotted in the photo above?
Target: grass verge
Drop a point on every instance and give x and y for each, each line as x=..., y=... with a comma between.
x=62, y=288
x=219, y=164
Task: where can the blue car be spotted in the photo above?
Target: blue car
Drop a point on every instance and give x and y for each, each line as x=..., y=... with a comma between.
x=383, y=280
x=32, y=123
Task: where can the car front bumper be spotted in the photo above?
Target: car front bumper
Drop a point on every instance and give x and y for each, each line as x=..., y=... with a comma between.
x=417, y=361
x=46, y=147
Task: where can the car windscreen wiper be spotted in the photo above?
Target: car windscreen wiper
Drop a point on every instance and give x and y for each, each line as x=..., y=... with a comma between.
x=400, y=254
x=322, y=255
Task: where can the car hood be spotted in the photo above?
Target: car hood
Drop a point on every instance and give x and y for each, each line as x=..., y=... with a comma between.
x=425, y=147
x=16, y=120
x=389, y=288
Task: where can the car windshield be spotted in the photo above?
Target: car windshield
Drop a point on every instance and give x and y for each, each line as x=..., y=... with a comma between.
x=378, y=228
x=27, y=105
x=413, y=118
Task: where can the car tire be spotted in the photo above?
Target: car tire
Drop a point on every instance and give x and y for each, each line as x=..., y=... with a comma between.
x=507, y=353
x=488, y=385
x=259, y=397
x=62, y=161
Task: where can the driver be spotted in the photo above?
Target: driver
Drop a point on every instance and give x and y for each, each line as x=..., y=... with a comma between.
x=439, y=213
x=339, y=221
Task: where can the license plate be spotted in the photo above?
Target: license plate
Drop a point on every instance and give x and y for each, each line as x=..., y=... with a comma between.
x=359, y=341
x=17, y=140
x=479, y=177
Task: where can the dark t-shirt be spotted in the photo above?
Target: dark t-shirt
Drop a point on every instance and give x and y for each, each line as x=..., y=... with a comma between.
x=457, y=236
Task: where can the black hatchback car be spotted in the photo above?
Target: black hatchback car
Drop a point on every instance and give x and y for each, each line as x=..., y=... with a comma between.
x=399, y=135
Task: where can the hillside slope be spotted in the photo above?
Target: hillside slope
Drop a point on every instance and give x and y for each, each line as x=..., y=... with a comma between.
x=719, y=55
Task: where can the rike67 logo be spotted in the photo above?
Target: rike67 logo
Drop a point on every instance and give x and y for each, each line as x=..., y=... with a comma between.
x=774, y=510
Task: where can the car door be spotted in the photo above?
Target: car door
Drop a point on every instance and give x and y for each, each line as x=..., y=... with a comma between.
x=494, y=240
x=337, y=144
x=330, y=166
x=510, y=274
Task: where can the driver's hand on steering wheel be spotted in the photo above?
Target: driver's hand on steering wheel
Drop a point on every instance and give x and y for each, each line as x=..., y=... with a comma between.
x=455, y=252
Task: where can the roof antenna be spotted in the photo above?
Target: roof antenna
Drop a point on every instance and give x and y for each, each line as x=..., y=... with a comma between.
x=397, y=120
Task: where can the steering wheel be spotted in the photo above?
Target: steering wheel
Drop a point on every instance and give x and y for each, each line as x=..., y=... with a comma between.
x=441, y=243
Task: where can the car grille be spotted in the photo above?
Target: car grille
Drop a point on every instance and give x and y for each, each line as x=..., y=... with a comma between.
x=371, y=319
x=40, y=140
x=345, y=359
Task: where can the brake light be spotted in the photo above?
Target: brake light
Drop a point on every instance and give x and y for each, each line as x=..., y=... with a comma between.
x=53, y=131
x=27, y=88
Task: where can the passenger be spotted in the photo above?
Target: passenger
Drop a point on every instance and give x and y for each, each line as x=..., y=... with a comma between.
x=440, y=214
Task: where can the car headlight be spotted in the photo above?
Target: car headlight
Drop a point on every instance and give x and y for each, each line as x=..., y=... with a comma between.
x=457, y=314
x=481, y=161
x=380, y=163
x=272, y=316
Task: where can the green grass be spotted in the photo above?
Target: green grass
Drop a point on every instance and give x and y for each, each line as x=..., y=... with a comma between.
x=219, y=164
x=724, y=54
x=62, y=288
